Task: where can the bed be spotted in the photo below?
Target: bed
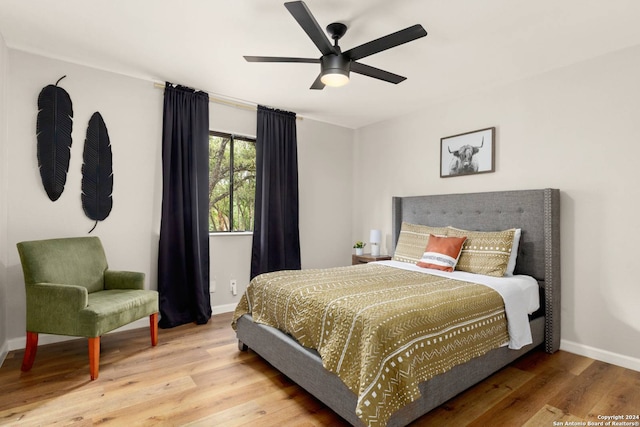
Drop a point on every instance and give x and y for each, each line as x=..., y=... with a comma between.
x=535, y=212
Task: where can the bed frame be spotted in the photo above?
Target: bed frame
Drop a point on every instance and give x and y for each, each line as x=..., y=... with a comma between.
x=537, y=212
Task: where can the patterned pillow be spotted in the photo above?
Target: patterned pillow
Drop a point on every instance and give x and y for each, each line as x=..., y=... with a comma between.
x=412, y=241
x=514, y=253
x=484, y=252
x=442, y=253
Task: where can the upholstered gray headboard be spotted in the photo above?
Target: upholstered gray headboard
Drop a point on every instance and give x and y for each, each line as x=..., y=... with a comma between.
x=536, y=212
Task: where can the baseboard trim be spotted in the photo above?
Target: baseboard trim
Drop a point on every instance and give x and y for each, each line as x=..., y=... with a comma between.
x=601, y=355
x=4, y=350
x=227, y=308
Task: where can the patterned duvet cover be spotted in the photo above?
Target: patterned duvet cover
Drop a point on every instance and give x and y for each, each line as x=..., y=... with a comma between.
x=382, y=330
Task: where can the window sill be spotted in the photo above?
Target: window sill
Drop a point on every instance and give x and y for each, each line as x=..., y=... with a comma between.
x=230, y=233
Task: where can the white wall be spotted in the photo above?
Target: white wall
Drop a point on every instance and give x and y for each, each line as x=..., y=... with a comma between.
x=575, y=129
x=325, y=161
x=132, y=110
x=4, y=347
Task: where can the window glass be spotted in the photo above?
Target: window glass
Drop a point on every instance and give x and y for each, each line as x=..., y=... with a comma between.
x=232, y=182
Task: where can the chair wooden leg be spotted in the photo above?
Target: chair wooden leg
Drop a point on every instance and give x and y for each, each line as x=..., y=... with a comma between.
x=30, y=351
x=153, y=325
x=94, y=357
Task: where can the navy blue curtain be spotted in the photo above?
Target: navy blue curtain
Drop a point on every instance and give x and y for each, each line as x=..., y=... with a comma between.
x=276, y=237
x=183, y=255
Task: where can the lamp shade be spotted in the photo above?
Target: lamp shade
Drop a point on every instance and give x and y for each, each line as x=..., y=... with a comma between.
x=375, y=237
x=336, y=79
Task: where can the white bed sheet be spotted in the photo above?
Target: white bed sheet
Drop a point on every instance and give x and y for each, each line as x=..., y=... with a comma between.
x=520, y=295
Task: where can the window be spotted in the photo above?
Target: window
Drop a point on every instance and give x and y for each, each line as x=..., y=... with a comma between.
x=232, y=182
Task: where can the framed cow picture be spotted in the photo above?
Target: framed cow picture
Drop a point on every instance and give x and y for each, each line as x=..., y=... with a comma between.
x=467, y=153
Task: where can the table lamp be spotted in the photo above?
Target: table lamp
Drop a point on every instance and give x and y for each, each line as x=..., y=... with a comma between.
x=375, y=238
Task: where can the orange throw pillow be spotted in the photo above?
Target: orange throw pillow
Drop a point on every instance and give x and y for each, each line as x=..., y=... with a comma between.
x=442, y=253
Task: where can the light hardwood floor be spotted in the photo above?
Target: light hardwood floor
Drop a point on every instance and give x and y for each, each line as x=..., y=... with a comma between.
x=197, y=376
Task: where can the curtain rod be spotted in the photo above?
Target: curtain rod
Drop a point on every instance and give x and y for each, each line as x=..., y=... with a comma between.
x=243, y=105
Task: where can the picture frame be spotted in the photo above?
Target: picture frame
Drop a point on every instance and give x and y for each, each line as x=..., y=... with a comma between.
x=468, y=153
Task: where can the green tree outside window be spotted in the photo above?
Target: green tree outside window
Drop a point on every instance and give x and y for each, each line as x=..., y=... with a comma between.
x=232, y=182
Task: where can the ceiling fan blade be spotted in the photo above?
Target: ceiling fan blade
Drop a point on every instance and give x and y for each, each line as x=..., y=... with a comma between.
x=281, y=59
x=302, y=14
x=376, y=73
x=317, y=84
x=386, y=42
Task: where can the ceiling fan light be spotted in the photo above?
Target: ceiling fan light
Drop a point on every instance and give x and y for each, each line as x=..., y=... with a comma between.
x=335, y=78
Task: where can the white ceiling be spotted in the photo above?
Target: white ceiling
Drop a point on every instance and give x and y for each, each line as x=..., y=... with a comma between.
x=472, y=45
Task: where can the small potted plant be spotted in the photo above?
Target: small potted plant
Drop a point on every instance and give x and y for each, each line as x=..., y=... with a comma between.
x=359, y=247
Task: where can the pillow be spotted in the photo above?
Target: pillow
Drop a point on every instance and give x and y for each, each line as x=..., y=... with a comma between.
x=413, y=239
x=442, y=253
x=485, y=252
x=514, y=253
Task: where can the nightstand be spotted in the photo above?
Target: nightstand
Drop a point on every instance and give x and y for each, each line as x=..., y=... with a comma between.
x=365, y=258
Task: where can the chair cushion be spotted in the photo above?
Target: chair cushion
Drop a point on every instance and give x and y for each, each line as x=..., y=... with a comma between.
x=108, y=310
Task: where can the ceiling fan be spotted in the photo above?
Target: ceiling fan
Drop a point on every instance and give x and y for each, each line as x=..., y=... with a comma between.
x=335, y=65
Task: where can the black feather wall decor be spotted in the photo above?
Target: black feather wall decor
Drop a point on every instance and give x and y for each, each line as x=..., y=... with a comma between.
x=53, y=131
x=97, y=173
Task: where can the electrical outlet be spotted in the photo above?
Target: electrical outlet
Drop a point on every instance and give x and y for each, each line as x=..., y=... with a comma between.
x=234, y=290
x=212, y=286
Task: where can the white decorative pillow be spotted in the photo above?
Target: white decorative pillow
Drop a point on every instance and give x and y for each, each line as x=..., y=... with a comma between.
x=442, y=253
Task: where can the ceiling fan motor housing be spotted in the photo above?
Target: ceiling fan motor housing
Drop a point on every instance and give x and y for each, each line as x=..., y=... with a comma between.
x=335, y=64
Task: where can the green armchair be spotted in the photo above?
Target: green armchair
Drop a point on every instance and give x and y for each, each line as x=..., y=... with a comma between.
x=71, y=291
